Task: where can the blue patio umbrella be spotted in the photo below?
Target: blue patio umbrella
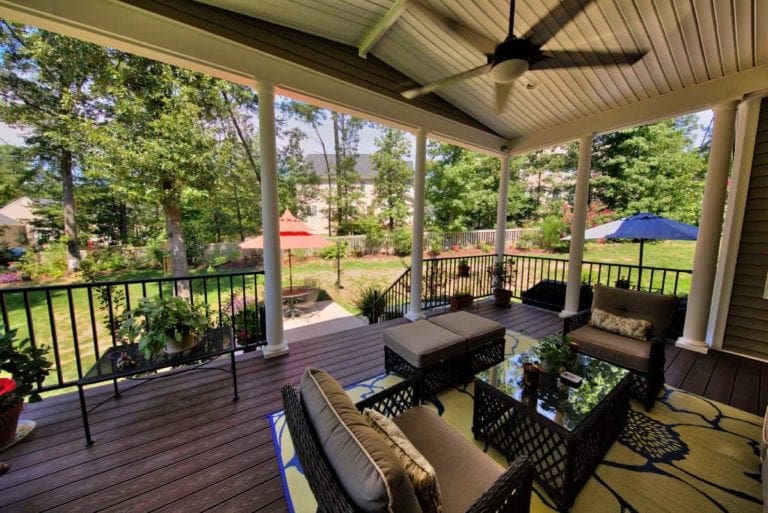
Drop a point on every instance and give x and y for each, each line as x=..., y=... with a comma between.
x=644, y=227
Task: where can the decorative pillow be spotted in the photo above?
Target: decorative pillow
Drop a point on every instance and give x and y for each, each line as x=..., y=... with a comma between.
x=419, y=470
x=635, y=328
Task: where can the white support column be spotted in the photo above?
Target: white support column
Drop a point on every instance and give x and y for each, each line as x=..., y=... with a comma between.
x=576, y=251
x=501, y=209
x=417, y=253
x=710, y=224
x=273, y=301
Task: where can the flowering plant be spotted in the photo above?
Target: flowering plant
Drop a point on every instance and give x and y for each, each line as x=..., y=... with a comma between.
x=27, y=366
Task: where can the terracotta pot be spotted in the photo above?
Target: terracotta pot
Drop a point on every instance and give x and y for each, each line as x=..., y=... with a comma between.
x=9, y=419
x=187, y=342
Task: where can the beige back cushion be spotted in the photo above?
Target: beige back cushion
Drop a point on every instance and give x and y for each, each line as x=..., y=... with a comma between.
x=419, y=470
x=655, y=308
x=365, y=465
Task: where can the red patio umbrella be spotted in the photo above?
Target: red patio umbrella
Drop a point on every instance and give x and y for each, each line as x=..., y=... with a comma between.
x=293, y=235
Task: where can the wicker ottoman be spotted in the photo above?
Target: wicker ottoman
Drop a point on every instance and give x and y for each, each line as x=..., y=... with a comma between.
x=426, y=350
x=485, y=338
x=444, y=350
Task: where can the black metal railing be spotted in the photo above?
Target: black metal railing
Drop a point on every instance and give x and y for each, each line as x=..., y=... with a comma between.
x=530, y=270
x=443, y=277
x=79, y=322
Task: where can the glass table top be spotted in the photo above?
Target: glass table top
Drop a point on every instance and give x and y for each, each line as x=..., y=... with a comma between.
x=564, y=405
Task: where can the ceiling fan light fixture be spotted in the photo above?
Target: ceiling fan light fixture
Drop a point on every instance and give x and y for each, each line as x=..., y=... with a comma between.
x=508, y=70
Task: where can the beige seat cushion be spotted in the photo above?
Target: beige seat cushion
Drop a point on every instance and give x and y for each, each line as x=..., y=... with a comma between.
x=464, y=471
x=419, y=470
x=423, y=344
x=477, y=330
x=365, y=465
x=658, y=309
x=617, y=349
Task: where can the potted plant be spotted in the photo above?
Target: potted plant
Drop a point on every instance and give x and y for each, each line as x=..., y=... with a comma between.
x=461, y=300
x=164, y=323
x=622, y=283
x=463, y=267
x=247, y=324
x=501, y=275
x=26, y=366
x=370, y=304
x=553, y=353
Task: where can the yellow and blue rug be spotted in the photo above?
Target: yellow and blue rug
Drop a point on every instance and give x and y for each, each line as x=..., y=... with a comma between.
x=688, y=454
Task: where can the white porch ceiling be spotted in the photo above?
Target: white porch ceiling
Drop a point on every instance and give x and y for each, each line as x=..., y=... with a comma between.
x=689, y=42
x=700, y=53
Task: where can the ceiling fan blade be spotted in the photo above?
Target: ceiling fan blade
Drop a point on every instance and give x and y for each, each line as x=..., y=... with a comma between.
x=575, y=59
x=555, y=20
x=420, y=91
x=503, y=92
x=482, y=43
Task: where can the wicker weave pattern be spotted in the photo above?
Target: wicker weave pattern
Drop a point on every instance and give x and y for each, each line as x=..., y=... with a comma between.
x=511, y=493
x=331, y=498
x=645, y=385
x=450, y=371
x=563, y=460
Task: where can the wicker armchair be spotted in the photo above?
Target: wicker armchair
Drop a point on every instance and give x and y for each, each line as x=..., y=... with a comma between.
x=511, y=492
x=644, y=358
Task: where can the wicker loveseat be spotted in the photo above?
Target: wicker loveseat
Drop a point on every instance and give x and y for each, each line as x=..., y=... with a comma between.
x=351, y=468
x=645, y=358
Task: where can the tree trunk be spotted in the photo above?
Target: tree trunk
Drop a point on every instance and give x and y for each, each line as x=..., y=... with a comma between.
x=68, y=199
x=173, y=228
x=123, y=223
x=239, y=216
x=337, y=150
x=328, y=174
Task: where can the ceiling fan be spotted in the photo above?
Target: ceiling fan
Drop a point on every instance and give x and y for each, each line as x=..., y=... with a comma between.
x=508, y=60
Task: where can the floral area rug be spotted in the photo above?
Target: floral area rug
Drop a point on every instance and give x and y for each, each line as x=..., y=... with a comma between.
x=688, y=454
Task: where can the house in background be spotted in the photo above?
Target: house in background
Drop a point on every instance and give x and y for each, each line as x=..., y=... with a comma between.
x=22, y=211
x=12, y=232
x=318, y=219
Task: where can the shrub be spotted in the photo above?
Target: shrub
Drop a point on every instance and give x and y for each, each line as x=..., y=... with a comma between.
x=10, y=277
x=51, y=262
x=369, y=304
x=551, y=230
x=401, y=242
x=334, y=251
x=528, y=240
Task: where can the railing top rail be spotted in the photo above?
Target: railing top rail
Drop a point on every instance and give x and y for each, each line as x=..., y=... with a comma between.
x=44, y=288
x=593, y=262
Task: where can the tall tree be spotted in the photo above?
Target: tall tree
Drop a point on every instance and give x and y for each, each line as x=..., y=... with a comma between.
x=393, y=178
x=46, y=84
x=159, y=144
x=652, y=168
x=346, y=130
x=15, y=169
x=298, y=183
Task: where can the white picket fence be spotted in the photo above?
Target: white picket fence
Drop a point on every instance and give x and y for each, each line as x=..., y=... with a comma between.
x=356, y=244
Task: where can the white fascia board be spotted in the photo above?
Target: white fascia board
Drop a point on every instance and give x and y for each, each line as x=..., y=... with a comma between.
x=676, y=103
x=127, y=28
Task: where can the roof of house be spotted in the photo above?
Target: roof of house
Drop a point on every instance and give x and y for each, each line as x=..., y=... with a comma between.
x=364, y=165
x=8, y=221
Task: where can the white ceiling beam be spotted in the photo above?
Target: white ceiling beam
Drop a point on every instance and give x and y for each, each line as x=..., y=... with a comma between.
x=127, y=28
x=378, y=31
x=676, y=103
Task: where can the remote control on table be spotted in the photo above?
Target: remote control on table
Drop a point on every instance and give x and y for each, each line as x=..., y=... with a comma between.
x=570, y=378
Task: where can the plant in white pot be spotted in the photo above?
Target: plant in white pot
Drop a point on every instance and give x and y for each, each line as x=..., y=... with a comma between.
x=22, y=367
x=168, y=324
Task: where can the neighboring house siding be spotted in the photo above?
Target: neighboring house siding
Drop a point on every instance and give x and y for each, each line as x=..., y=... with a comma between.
x=747, y=326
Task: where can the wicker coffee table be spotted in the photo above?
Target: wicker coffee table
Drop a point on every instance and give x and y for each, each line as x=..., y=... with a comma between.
x=566, y=431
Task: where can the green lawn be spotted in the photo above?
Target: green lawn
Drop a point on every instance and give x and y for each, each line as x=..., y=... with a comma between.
x=357, y=273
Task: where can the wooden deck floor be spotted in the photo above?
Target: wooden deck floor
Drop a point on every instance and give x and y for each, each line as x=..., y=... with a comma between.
x=182, y=444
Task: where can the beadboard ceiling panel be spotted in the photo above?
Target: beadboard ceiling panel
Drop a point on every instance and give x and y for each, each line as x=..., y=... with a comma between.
x=688, y=43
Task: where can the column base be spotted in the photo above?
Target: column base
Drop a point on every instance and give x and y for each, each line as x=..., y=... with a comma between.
x=566, y=313
x=692, y=345
x=272, y=351
x=415, y=316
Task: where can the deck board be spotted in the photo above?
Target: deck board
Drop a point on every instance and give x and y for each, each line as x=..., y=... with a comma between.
x=182, y=444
